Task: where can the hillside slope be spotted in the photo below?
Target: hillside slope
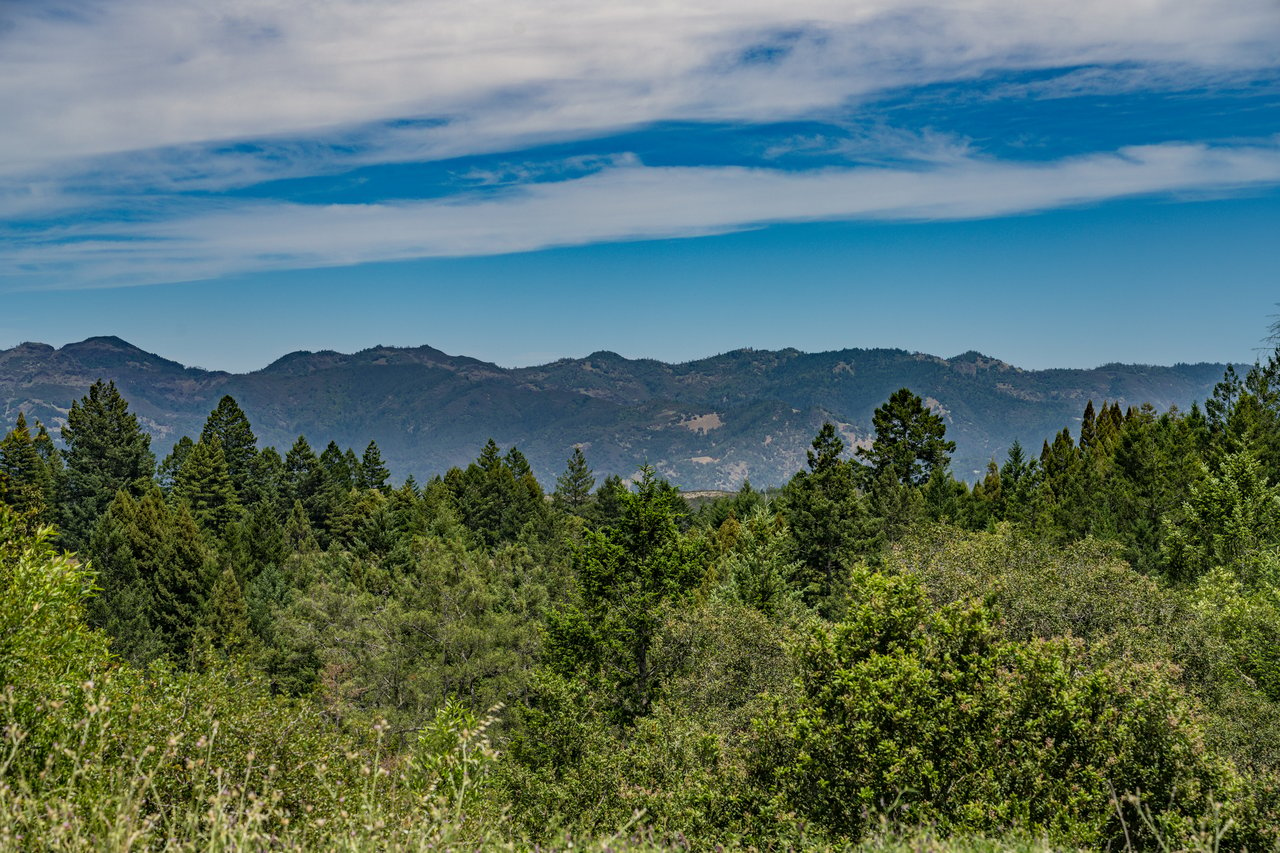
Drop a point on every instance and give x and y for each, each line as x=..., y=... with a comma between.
x=705, y=424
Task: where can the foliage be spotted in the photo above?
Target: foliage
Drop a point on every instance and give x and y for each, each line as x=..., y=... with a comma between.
x=930, y=716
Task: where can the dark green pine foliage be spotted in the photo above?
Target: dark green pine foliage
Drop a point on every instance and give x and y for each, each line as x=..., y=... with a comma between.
x=229, y=424
x=1244, y=416
x=1155, y=462
x=373, y=471
x=896, y=508
x=152, y=568
x=606, y=506
x=943, y=498
x=336, y=481
x=269, y=480
x=827, y=515
x=910, y=440
x=172, y=464
x=337, y=467
x=573, y=487
x=106, y=451
x=496, y=498
x=986, y=506
x=1062, y=485
x=224, y=624
x=52, y=458
x=627, y=573
x=204, y=485
x=25, y=478
x=1088, y=427
x=299, y=536
x=517, y=464
x=1019, y=484
x=305, y=481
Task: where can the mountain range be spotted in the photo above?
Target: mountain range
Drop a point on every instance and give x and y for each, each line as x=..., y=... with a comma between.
x=705, y=424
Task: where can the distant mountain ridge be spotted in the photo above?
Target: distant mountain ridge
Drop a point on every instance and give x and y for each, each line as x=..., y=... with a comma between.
x=705, y=424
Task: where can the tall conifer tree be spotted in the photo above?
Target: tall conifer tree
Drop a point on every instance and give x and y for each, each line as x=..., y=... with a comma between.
x=573, y=487
x=204, y=484
x=107, y=451
x=230, y=425
x=24, y=477
x=373, y=471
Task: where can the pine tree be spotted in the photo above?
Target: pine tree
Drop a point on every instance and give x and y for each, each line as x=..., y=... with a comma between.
x=204, y=484
x=230, y=425
x=607, y=504
x=269, y=482
x=224, y=624
x=151, y=566
x=827, y=515
x=627, y=572
x=517, y=464
x=490, y=456
x=298, y=533
x=336, y=469
x=124, y=559
x=1088, y=428
x=24, y=477
x=172, y=464
x=373, y=471
x=106, y=451
x=910, y=440
x=52, y=458
x=305, y=481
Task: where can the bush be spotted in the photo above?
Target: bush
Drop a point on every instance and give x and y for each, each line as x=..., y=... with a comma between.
x=933, y=717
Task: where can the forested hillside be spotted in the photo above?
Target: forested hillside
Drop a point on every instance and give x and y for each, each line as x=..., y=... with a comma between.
x=239, y=646
x=707, y=424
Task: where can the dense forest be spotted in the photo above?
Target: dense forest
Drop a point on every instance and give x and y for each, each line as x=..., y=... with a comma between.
x=235, y=648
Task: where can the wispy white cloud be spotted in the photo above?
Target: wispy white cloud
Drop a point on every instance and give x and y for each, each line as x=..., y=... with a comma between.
x=626, y=201
x=124, y=119
x=99, y=78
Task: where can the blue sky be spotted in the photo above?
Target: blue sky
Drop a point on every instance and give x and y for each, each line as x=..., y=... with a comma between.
x=1055, y=184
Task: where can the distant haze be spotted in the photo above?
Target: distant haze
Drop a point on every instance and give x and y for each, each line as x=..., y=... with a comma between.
x=706, y=424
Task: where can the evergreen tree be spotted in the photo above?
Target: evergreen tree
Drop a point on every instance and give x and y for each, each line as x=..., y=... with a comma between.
x=25, y=479
x=573, y=487
x=827, y=515
x=106, y=451
x=1230, y=519
x=373, y=471
x=306, y=481
x=910, y=440
x=1014, y=472
x=1088, y=428
x=492, y=502
x=490, y=457
x=52, y=458
x=298, y=533
x=224, y=624
x=152, y=568
x=606, y=507
x=1154, y=464
x=172, y=464
x=336, y=467
x=626, y=572
x=269, y=482
x=517, y=464
x=229, y=424
x=204, y=484
x=759, y=569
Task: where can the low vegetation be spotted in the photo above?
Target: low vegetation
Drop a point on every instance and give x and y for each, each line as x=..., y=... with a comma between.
x=238, y=649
